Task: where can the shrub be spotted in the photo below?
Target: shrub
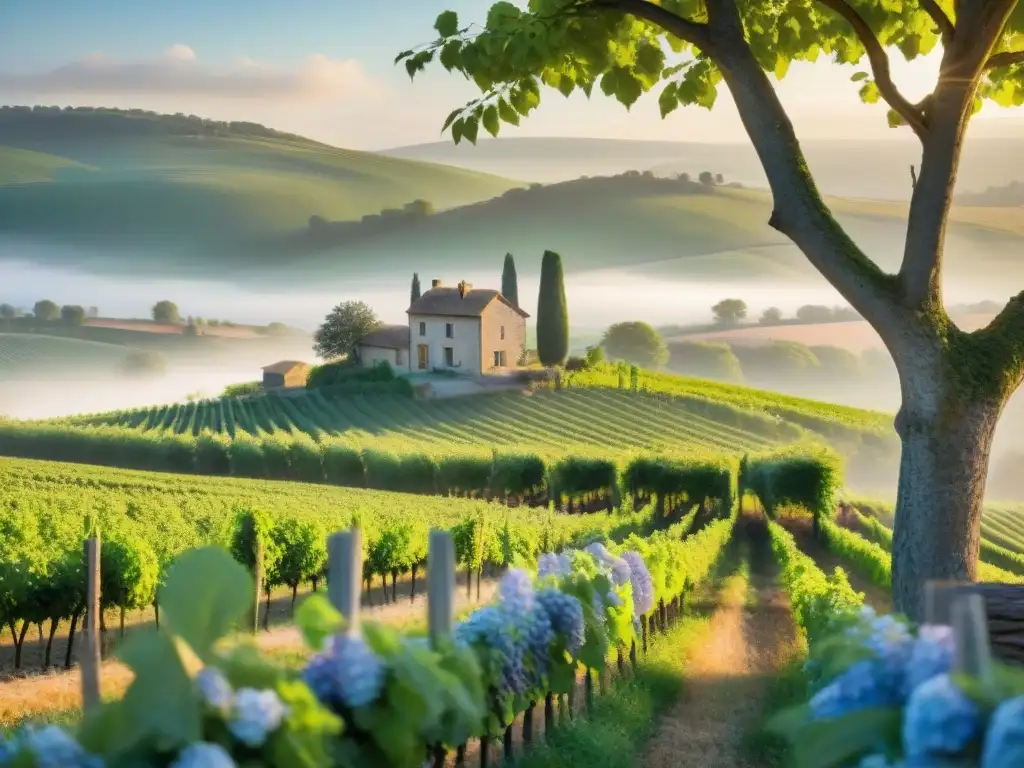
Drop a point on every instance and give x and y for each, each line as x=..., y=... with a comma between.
x=245, y=388
x=807, y=477
x=704, y=360
x=580, y=476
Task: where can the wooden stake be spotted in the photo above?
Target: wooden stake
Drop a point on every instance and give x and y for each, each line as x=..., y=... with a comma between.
x=345, y=575
x=91, y=659
x=441, y=585
x=970, y=628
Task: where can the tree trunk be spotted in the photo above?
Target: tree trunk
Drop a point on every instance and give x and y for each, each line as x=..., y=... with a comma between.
x=412, y=589
x=71, y=640
x=943, y=467
x=295, y=594
x=49, y=644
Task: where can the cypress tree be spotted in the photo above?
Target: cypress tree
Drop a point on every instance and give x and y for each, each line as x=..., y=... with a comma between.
x=552, y=312
x=509, y=281
x=415, y=292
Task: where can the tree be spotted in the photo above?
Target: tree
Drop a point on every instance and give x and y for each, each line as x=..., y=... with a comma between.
x=342, y=329
x=635, y=342
x=954, y=384
x=704, y=360
x=729, y=311
x=72, y=314
x=46, y=311
x=509, y=281
x=8, y=312
x=414, y=292
x=706, y=178
x=814, y=313
x=719, y=178
x=771, y=316
x=166, y=312
x=552, y=312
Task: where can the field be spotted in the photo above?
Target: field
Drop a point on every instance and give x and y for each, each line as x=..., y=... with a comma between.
x=31, y=356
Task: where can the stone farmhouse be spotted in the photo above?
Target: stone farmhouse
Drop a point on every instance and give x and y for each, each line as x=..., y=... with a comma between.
x=285, y=374
x=474, y=331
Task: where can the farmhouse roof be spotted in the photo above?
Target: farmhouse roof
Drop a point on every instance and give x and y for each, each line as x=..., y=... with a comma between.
x=387, y=337
x=447, y=301
x=285, y=366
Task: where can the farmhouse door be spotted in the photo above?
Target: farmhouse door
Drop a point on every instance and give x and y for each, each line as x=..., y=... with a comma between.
x=424, y=356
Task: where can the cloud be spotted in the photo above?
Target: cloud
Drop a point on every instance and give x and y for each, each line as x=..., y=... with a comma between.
x=180, y=72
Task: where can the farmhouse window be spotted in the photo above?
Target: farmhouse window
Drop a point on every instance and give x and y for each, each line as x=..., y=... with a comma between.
x=423, y=329
x=449, y=356
x=503, y=333
x=399, y=357
x=449, y=330
x=499, y=359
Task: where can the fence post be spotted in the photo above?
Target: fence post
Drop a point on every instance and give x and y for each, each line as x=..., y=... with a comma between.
x=970, y=628
x=257, y=573
x=440, y=602
x=345, y=575
x=91, y=660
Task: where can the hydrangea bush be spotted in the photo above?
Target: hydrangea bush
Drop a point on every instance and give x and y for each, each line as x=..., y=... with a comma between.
x=884, y=694
x=369, y=698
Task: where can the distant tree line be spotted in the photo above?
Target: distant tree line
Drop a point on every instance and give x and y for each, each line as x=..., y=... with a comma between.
x=323, y=232
x=1009, y=195
x=55, y=122
x=781, y=365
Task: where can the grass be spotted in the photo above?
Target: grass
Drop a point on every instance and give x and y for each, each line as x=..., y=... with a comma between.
x=32, y=356
x=22, y=166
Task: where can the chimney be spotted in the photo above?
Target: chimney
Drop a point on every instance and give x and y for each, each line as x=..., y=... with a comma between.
x=435, y=283
x=464, y=288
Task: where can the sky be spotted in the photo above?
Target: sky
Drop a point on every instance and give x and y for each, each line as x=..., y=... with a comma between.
x=324, y=69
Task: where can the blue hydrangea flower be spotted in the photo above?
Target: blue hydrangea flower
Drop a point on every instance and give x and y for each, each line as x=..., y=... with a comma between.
x=215, y=689
x=939, y=719
x=539, y=637
x=203, y=754
x=53, y=747
x=1004, y=741
x=932, y=654
x=616, y=567
x=257, y=714
x=348, y=673
x=643, y=584
x=551, y=565
x=863, y=685
x=566, y=616
x=494, y=629
x=516, y=591
x=877, y=761
x=7, y=751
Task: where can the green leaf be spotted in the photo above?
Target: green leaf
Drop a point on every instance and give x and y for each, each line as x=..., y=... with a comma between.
x=447, y=24
x=869, y=92
x=837, y=743
x=317, y=620
x=450, y=54
x=470, y=129
x=490, y=120
x=858, y=76
x=507, y=113
x=457, y=129
x=894, y=118
x=668, y=101
x=160, y=704
x=781, y=66
x=403, y=55
x=451, y=118
x=204, y=596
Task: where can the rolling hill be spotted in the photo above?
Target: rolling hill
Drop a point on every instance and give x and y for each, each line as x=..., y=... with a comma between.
x=114, y=175
x=34, y=356
x=245, y=203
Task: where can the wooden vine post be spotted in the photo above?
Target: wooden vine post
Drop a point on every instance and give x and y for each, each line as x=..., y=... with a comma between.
x=345, y=575
x=963, y=607
x=440, y=603
x=91, y=659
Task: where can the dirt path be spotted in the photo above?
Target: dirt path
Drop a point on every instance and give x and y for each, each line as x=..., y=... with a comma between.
x=750, y=638
x=59, y=691
x=800, y=527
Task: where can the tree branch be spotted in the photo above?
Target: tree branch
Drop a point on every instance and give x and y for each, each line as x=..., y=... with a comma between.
x=798, y=212
x=946, y=28
x=1001, y=343
x=879, y=60
x=1004, y=59
x=691, y=31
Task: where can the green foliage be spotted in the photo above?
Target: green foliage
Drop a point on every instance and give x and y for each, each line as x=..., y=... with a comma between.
x=704, y=360
x=345, y=371
x=414, y=290
x=342, y=329
x=72, y=314
x=696, y=479
x=819, y=601
x=808, y=477
x=729, y=311
x=509, y=281
x=866, y=557
x=787, y=362
x=574, y=477
x=46, y=311
x=166, y=312
x=245, y=388
x=635, y=342
x=552, y=312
